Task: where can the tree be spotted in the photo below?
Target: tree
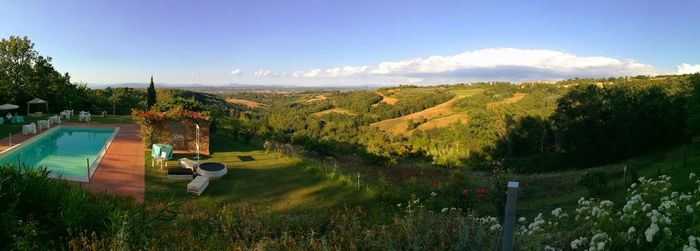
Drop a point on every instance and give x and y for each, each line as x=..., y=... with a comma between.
x=151, y=96
x=694, y=106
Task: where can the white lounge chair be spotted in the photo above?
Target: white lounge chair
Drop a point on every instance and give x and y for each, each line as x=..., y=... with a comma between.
x=188, y=163
x=198, y=185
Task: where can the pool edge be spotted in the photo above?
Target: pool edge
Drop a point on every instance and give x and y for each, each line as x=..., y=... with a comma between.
x=92, y=169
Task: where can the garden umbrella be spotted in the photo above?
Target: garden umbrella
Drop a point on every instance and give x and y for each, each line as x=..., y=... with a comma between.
x=8, y=107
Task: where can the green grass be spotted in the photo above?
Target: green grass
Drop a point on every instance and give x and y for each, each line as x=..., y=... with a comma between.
x=543, y=192
x=256, y=179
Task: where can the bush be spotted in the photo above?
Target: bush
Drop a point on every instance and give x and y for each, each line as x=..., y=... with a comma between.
x=37, y=212
x=595, y=182
x=653, y=218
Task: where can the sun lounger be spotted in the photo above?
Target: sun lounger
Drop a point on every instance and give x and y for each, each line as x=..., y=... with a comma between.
x=177, y=173
x=188, y=163
x=198, y=185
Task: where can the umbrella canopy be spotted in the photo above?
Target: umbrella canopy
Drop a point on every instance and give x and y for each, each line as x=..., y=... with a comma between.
x=8, y=107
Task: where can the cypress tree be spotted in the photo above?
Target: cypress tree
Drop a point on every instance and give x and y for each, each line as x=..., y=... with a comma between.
x=151, y=94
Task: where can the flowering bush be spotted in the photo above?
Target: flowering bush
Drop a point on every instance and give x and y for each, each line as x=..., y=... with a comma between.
x=653, y=217
x=153, y=121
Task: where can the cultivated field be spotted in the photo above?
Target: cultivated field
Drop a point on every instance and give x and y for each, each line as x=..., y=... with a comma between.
x=386, y=99
x=442, y=114
x=248, y=103
x=506, y=101
x=316, y=98
x=336, y=110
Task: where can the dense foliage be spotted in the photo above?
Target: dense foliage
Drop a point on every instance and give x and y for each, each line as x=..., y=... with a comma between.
x=41, y=213
x=532, y=127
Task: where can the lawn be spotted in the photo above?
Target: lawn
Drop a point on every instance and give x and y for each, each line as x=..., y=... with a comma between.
x=256, y=179
x=544, y=192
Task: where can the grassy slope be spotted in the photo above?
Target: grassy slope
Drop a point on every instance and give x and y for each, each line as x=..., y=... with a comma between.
x=257, y=179
x=386, y=99
x=400, y=125
x=543, y=192
x=335, y=110
x=248, y=103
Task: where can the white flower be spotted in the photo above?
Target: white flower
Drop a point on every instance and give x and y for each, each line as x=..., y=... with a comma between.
x=577, y=242
x=444, y=210
x=691, y=176
x=495, y=227
x=691, y=240
x=631, y=230
x=398, y=205
x=606, y=203
x=689, y=209
x=651, y=231
x=522, y=219
x=556, y=212
x=688, y=248
x=433, y=194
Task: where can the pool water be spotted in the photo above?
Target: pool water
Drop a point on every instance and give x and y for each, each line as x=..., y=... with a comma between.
x=68, y=152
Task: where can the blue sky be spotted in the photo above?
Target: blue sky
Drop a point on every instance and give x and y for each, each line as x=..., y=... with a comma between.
x=357, y=42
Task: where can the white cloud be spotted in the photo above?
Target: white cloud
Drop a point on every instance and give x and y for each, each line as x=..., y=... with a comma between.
x=236, y=72
x=688, y=69
x=508, y=64
x=262, y=73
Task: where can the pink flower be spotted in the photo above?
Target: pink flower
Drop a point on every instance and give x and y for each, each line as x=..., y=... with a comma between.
x=466, y=192
x=480, y=193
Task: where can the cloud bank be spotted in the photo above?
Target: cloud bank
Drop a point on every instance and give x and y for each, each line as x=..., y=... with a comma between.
x=506, y=64
x=688, y=69
x=236, y=72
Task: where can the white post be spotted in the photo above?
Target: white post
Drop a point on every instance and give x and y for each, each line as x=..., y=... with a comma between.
x=509, y=220
x=196, y=141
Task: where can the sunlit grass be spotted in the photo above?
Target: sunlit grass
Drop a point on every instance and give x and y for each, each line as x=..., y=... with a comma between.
x=255, y=178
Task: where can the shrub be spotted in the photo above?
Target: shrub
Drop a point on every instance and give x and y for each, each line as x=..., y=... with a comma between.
x=595, y=182
x=37, y=212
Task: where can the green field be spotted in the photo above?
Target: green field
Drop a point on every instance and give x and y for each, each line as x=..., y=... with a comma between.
x=255, y=178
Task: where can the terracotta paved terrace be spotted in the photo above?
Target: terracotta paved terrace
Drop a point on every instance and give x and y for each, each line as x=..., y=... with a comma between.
x=121, y=171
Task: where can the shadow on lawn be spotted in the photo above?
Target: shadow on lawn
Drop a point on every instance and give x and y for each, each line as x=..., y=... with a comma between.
x=254, y=178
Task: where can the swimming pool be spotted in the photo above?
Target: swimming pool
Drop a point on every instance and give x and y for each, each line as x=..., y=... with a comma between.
x=70, y=153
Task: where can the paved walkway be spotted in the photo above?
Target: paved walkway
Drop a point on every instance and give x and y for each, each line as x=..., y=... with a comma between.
x=121, y=171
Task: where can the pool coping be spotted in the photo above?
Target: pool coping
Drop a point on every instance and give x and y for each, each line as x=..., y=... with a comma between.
x=93, y=167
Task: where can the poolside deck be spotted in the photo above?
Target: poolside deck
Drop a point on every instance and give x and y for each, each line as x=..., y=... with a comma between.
x=121, y=171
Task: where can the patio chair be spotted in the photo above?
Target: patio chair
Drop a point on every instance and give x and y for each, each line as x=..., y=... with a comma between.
x=160, y=159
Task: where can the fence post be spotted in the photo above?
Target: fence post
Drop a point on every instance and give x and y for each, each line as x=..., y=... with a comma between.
x=87, y=161
x=509, y=220
x=10, y=139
